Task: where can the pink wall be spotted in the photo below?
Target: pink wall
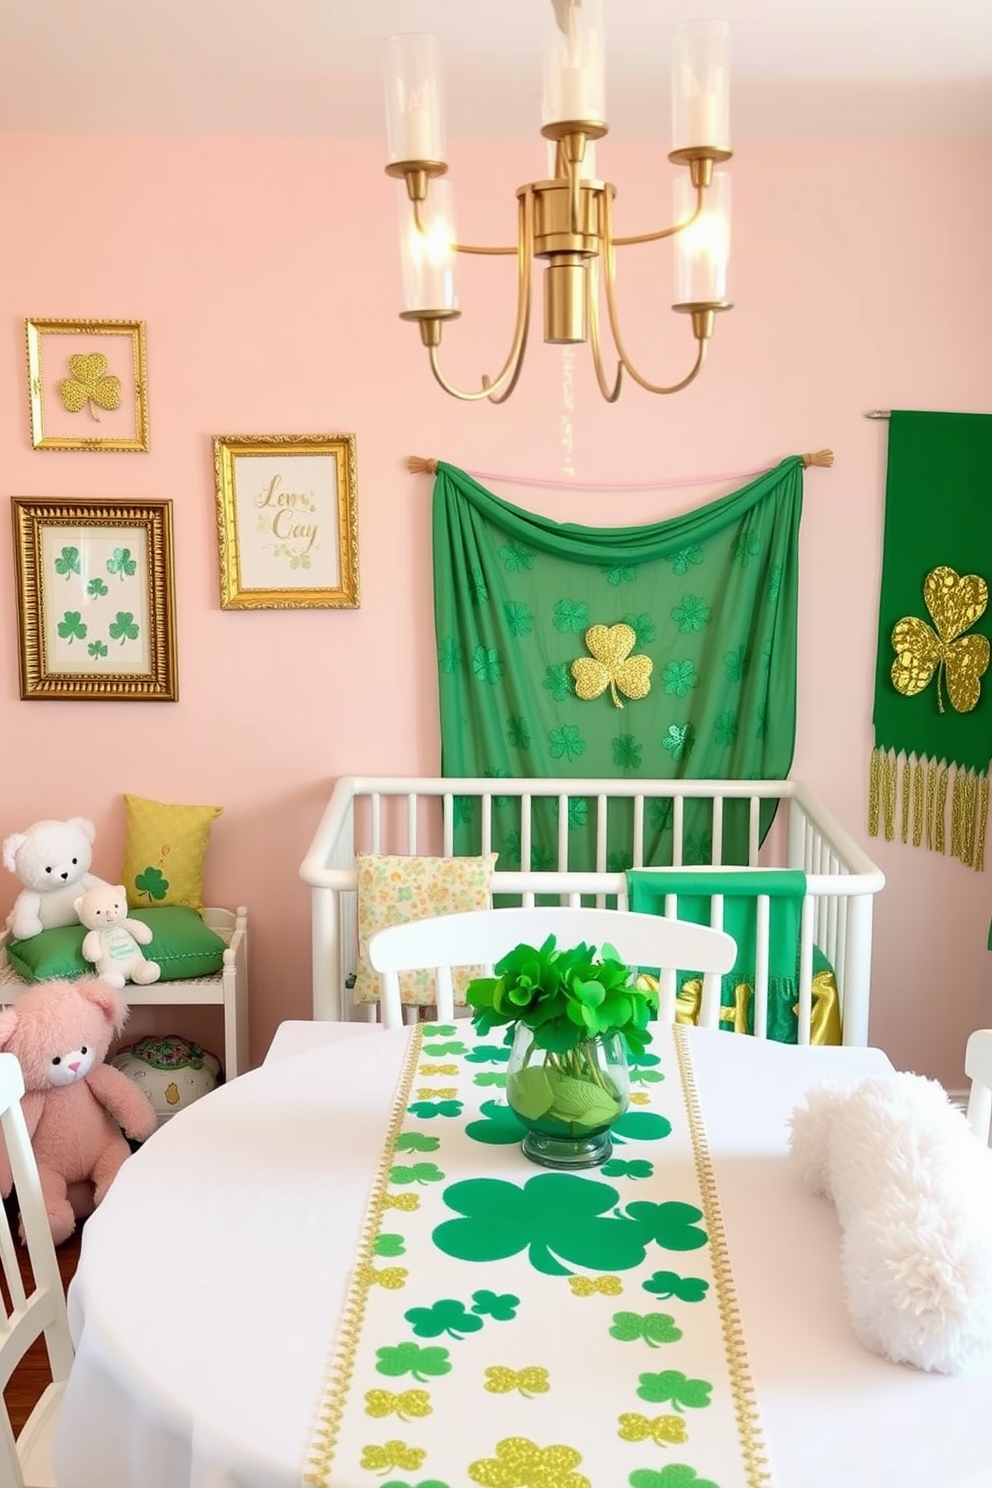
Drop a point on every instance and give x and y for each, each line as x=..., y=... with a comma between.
x=266, y=273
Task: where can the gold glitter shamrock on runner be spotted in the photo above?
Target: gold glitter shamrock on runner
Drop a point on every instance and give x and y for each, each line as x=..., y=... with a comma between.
x=588, y=1286
x=391, y=1454
x=529, y=1381
x=387, y=1403
x=90, y=383
x=663, y=1429
x=520, y=1463
x=955, y=602
x=612, y=665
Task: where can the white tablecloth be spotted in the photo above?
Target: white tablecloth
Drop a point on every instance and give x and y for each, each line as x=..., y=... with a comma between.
x=212, y=1277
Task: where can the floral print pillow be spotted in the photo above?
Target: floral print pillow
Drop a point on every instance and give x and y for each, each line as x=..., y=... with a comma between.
x=393, y=890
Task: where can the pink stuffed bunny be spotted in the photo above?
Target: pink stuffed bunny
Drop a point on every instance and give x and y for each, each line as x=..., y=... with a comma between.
x=75, y=1105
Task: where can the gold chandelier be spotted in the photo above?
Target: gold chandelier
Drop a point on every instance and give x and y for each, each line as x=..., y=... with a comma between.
x=567, y=220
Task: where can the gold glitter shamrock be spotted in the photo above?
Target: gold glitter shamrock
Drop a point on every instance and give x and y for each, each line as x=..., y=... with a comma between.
x=588, y=1286
x=392, y=1278
x=612, y=665
x=530, y=1381
x=438, y=1069
x=89, y=383
x=392, y=1454
x=425, y=1093
x=407, y=1403
x=663, y=1429
x=401, y=1201
x=955, y=603
x=520, y=1463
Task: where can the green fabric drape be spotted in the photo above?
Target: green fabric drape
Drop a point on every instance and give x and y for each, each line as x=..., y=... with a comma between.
x=711, y=598
x=938, y=480
x=786, y=890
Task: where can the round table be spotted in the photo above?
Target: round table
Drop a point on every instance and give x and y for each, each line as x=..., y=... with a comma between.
x=213, y=1277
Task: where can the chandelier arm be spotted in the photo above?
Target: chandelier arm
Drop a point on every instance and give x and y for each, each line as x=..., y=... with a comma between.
x=611, y=395
x=418, y=222
x=665, y=232
x=650, y=387
x=511, y=368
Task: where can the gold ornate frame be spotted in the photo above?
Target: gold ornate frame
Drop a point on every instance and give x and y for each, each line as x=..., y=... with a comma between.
x=81, y=574
x=291, y=587
x=36, y=331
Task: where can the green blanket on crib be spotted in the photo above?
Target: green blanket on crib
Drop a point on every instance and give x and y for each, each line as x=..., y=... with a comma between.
x=647, y=889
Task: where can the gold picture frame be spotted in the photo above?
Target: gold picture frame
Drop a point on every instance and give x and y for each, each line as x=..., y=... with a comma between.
x=80, y=375
x=95, y=606
x=287, y=521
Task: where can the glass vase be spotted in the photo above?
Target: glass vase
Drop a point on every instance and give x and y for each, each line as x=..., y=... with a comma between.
x=568, y=1101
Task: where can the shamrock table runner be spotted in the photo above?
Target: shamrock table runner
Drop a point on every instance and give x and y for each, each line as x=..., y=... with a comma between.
x=514, y=1327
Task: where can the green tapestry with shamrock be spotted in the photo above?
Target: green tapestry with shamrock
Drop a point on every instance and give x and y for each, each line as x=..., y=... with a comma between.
x=655, y=652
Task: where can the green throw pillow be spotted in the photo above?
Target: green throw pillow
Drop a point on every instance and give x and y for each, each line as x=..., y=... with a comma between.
x=181, y=943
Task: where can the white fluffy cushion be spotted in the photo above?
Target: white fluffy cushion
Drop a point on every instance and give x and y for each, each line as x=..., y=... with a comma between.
x=913, y=1191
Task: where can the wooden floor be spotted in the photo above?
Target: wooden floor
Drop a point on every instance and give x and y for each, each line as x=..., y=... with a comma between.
x=31, y=1376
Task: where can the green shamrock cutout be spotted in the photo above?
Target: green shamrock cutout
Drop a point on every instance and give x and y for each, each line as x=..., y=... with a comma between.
x=412, y=1358
x=490, y=1077
x=500, y=1306
x=444, y=1049
x=426, y=1483
x=390, y=1245
x=418, y=1173
x=416, y=1142
x=551, y=1215
x=640, y=1126
x=639, y=1167
x=71, y=626
x=672, y=1386
x=446, y=1316
x=675, y=1475
x=673, y=1226
x=499, y=1126
x=488, y=1054
x=654, y=1327
x=670, y=1284
x=427, y=1110
x=124, y=628
x=67, y=563
x=122, y=563
x=439, y=1030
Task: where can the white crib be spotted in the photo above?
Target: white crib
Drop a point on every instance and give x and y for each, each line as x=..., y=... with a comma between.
x=413, y=816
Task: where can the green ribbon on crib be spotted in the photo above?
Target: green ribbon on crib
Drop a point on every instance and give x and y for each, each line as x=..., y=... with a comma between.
x=647, y=889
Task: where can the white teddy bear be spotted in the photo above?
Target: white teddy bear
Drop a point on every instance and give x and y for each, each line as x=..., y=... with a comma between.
x=51, y=859
x=112, y=942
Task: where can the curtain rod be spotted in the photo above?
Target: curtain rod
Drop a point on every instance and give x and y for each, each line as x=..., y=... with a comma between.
x=418, y=465
x=878, y=413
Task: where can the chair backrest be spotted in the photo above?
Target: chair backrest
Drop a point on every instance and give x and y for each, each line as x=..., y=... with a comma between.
x=978, y=1068
x=483, y=936
x=32, y=1307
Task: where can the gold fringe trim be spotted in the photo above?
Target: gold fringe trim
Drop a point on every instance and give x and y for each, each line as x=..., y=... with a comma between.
x=325, y=1436
x=922, y=793
x=756, y=1465
x=919, y=781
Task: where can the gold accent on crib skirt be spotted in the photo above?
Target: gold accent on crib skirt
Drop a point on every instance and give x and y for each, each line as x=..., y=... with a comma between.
x=824, y=1023
x=922, y=788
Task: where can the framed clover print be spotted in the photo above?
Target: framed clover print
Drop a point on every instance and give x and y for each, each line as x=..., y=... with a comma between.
x=287, y=521
x=95, y=610
x=87, y=384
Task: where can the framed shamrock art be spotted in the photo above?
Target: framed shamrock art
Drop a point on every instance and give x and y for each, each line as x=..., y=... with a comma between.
x=287, y=521
x=95, y=608
x=87, y=384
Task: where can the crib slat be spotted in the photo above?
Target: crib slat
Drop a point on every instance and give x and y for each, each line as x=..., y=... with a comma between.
x=709, y=1006
x=602, y=838
x=376, y=804
x=526, y=827
x=562, y=834
x=806, y=969
x=638, y=847
x=666, y=995
x=762, y=911
x=411, y=824
x=678, y=814
x=487, y=824
x=753, y=831
x=716, y=856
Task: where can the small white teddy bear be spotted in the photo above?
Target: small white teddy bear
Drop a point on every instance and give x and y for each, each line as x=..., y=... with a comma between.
x=51, y=859
x=113, y=942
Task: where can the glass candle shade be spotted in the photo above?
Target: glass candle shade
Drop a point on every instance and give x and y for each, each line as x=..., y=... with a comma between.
x=702, y=250
x=427, y=253
x=574, y=63
x=414, y=106
x=701, y=85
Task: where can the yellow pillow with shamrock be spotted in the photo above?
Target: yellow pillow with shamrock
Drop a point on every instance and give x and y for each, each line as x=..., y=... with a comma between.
x=164, y=848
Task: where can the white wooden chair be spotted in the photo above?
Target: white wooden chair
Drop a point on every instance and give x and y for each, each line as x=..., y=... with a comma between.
x=27, y=1314
x=978, y=1068
x=484, y=936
